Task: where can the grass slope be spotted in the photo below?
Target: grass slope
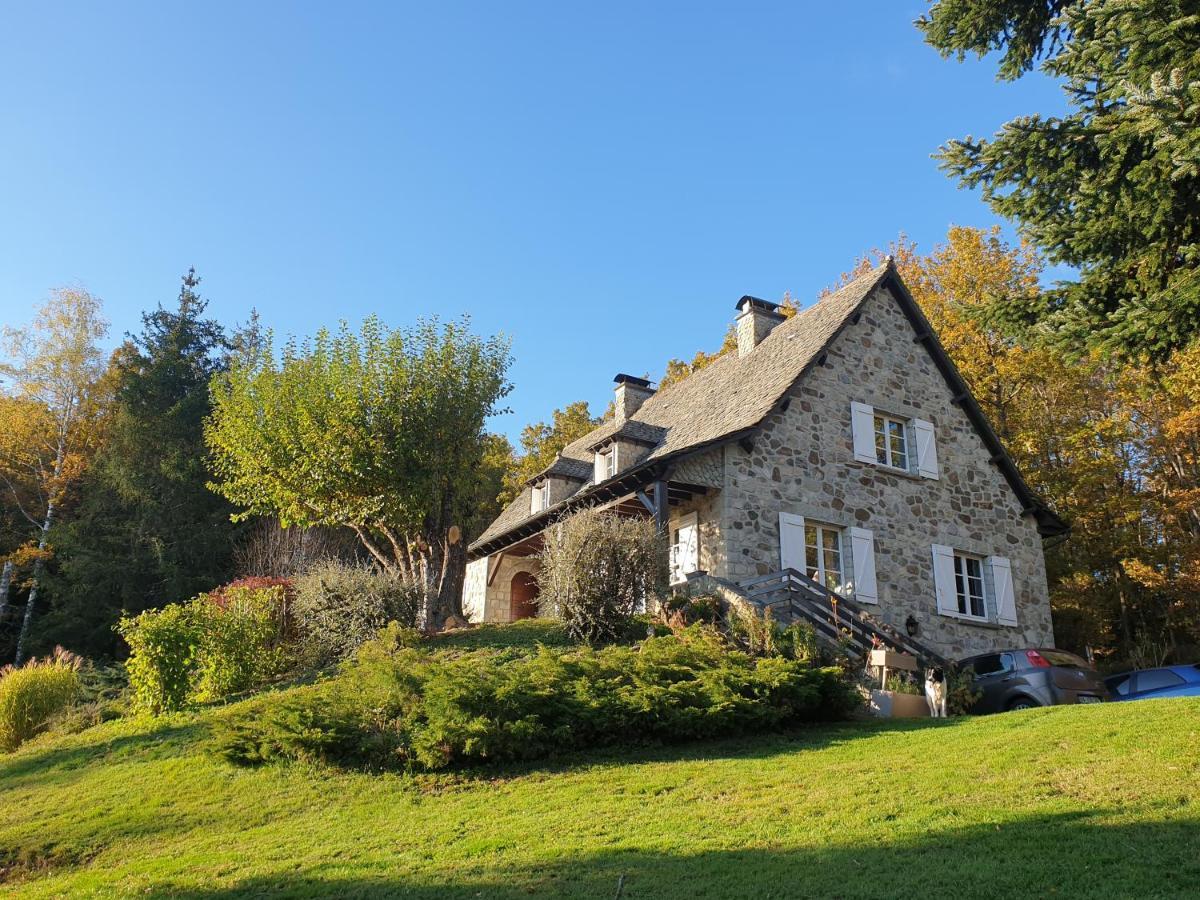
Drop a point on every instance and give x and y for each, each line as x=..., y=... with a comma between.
x=1088, y=801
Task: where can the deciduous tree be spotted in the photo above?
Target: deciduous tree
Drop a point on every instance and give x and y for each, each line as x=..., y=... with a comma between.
x=380, y=431
x=54, y=371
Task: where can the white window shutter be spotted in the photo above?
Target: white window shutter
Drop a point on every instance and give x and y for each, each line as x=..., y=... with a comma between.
x=862, y=424
x=862, y=553
x=791, y=542
x=1006, y=599
x=601, y=468
x=927, y=464
x=685, y=548
x=943, y=580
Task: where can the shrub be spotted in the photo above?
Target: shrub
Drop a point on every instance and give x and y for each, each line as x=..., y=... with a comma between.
x=961, y=691
x=32, y=694
x=599, y=569
x=339, y=607
x=215, y=645
x=399, y=706
x=241, y=639
x=163, y=644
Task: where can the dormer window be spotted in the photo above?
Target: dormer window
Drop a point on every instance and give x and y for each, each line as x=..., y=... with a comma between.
x=606, y=463
x=541, y=496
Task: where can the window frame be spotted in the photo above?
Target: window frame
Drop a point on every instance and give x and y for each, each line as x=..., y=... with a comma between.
x=609, y=456
x=541, y=496
x=963, y=579
x=889, y=453
x=820, y=529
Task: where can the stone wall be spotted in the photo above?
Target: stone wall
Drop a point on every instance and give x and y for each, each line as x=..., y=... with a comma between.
x=483, y=602
x=803, y=462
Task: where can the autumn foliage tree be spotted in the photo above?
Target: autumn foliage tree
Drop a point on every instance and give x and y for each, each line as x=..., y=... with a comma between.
x=53, y=375
x=379, y=431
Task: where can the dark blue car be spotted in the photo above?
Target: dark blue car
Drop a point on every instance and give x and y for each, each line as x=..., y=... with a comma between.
x=1168, y=681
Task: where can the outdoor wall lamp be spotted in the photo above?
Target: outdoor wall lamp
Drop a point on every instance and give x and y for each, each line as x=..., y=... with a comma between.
x=910, y=625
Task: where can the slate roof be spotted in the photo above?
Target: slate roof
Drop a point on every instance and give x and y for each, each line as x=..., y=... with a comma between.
x=733, y=394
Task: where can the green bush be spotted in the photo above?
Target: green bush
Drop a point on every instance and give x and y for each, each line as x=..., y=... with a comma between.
x=339, y=607
x=32, y=694
x=163, y=645
x=241, y=641
x=403, y=707
x=207, y=648
x=598, y=570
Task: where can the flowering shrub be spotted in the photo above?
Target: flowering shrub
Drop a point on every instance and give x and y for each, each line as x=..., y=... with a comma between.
x=31, y=694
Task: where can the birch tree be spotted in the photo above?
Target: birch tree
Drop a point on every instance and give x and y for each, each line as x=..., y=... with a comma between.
x=53, y=370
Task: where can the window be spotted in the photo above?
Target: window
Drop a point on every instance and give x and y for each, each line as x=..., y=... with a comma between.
x=891, y=442
x=968, y=585
x=541, y=496
x=823, y=555
x=606, y=463
x=1157, y=679
x=896, y=441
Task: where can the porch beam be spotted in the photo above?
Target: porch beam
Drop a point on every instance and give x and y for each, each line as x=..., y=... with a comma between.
x=646, y=502
x=660, y=505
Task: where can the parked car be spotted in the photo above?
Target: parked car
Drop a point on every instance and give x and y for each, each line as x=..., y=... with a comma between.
x=1023, y=679
x=1167, y=681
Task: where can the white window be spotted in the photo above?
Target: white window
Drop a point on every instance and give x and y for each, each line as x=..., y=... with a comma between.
x=823, y=555
x=843, y=560
x=974, y=587
x=889, y=440
x=606, y=463
x=541, y=496
x=968, y=586
x=685, y=548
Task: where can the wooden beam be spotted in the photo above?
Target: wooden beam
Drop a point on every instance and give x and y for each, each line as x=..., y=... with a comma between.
x=660, y=505
x=646, y=502
x=492, y=574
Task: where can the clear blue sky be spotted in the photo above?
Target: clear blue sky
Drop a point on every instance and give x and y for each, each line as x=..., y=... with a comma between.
x=599, y=181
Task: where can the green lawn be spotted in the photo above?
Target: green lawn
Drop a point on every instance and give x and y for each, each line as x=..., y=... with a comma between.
x=1086, y=801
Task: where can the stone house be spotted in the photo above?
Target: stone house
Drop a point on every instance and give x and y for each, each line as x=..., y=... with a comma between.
x=842, y=443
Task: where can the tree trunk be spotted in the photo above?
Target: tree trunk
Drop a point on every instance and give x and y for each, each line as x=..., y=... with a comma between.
x=35, y=580
x=5, y=582
x=443, y=566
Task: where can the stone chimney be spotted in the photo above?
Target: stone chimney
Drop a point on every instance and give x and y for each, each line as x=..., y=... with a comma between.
x=756, y=318
x=631, y=394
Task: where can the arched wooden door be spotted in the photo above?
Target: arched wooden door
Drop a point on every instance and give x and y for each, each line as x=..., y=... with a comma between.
x=524, y=593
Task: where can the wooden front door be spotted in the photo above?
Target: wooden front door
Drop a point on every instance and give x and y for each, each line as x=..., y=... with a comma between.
x=524, y=593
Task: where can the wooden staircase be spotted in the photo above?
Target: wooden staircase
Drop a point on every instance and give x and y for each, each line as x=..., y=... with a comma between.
x=794, y=597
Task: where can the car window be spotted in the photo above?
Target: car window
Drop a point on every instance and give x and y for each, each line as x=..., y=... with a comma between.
x=987, y=665
x=1156, y=679
x=1062, y=658
x=1007, y=663
x=1120, y=684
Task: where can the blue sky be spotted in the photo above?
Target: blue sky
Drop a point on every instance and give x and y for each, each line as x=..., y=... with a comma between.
x=599, y=181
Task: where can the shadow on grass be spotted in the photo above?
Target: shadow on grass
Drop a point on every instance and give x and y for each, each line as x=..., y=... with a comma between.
x=89, y=746
x=1067, y=854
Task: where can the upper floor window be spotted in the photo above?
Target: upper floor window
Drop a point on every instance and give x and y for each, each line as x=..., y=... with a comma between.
x=886, y=439
x=606, y=463
x=541, y=496
x=891, y=442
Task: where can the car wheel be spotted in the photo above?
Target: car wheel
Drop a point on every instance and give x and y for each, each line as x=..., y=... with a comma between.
x=1023, y=702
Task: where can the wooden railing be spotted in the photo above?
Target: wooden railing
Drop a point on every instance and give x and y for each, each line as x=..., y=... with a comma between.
x=792, y=596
